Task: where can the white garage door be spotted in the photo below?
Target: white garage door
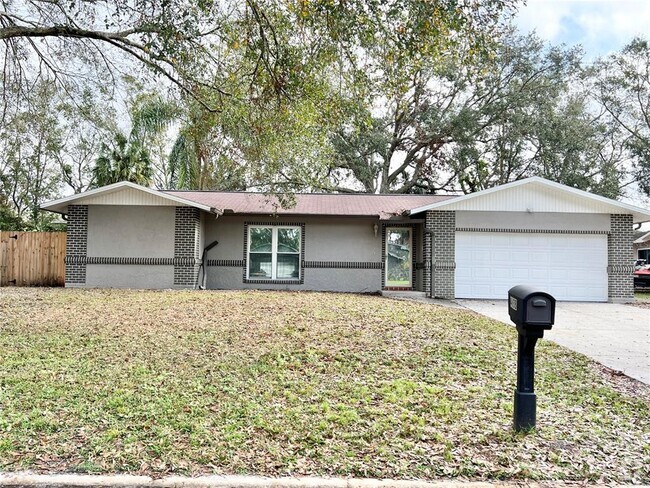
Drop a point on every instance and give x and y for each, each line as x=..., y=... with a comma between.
x=568, y=266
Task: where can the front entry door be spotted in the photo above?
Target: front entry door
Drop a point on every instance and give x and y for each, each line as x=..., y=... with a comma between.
x=398, y=257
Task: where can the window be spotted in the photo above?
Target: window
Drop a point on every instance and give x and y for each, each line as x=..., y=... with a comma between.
x=274, y=252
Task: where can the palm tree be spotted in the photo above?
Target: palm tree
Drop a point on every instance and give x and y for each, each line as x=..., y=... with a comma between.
x=196, y=160
x=126, y=160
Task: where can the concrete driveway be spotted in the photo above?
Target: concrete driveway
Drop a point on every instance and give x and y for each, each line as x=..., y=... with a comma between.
x=615, y=335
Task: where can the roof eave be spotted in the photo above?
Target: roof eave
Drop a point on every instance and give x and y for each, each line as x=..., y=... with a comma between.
x=642, y=239
x=639, y=214
x=61, y=205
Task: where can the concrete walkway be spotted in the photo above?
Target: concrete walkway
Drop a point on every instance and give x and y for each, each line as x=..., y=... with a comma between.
x=615, y=335
x=28, y=480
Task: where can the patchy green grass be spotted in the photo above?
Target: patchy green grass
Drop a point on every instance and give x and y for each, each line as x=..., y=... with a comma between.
x=642, y=299
x=642, y=295
x=297, y=383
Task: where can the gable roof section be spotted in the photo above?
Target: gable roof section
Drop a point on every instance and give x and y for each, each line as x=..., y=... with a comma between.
x=337, y=204
x=122, y=193
x=537, y=195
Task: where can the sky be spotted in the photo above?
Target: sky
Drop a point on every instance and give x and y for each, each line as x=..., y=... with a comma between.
x=600, y=26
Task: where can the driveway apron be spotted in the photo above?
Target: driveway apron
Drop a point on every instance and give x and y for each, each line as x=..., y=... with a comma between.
x=615, y=335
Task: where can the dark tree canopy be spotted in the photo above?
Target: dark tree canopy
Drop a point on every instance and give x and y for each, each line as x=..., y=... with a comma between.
x=515, y=112
x=191, y=44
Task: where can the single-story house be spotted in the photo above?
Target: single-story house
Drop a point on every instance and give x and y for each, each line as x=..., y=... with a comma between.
x=641, y=247
x=571, y=243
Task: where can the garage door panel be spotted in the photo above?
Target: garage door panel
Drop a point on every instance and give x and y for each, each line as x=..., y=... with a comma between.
x=519, y=257
x=489, y=264
x=559, y=275
x=520, y=274
x=539, y=274
x=482, y=273
x=500, y=256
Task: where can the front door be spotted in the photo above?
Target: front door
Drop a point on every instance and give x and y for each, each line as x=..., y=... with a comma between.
x=399, y=259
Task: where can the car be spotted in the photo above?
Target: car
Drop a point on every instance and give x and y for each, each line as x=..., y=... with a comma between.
x=641, y=275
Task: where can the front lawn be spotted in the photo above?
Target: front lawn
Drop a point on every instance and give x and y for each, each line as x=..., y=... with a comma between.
x=297, y=383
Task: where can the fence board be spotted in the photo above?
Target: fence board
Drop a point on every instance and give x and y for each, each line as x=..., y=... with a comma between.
x=32, y=258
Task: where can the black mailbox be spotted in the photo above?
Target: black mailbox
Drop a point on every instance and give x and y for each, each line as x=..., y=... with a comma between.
x=533, y=312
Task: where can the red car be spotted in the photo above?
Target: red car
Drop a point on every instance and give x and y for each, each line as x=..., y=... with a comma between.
x=642, y=276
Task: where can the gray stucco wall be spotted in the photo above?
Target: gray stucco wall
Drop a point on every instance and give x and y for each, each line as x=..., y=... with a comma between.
x=138, y=247
x=537, y=221
x=326, y=239
x=130, y=238
x=340, y=254
x=128, y=231
x=344, y=280
x=129, y=276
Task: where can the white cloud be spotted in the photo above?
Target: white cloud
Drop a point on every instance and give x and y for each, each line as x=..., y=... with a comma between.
x=544, y=19
x=600, y=26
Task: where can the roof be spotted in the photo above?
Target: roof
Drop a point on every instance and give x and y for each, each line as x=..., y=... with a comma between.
x=642, y=239
x=123, y=192
x=530, y=195
x=342, y=204
x=535, y=195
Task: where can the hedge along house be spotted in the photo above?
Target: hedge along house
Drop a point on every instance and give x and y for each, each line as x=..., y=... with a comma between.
x=571, y=243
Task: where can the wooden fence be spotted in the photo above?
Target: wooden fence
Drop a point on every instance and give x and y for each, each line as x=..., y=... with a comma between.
x=32, y=258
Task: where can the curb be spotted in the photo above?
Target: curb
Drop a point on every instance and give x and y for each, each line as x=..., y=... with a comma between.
x=27, y=480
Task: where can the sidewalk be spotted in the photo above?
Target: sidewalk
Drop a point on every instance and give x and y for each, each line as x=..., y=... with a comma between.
x=27, y=480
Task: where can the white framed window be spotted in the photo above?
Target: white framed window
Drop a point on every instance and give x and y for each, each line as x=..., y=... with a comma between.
x=274, y=252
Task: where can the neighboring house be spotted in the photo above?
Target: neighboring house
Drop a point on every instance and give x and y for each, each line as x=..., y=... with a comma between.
x=641, y=247
x=571, y=243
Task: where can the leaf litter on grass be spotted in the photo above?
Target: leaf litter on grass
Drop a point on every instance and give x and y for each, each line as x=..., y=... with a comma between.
x=297, y=383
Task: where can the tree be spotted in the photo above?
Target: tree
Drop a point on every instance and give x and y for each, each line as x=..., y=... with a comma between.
x=547, y=128
x=469, y=126
x=621, y=85
x=196, y=159
x=124, y=160
x=9, y=220
x=85, y=125
x=153, y=117
x=270, y=60
x=29, y=144
x=178, y=41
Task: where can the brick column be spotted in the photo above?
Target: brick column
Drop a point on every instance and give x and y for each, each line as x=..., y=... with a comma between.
x=440, y=253
x=426, y=253
x=76, y=245
x=620, y=259
x=187, y=233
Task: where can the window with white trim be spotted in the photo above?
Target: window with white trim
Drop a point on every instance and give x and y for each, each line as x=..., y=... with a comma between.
x=274, y=252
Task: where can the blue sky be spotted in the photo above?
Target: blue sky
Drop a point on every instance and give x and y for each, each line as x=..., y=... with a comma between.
x=600, y=26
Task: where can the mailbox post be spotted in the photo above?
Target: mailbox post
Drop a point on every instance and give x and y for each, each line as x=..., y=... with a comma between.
x=533, y=312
